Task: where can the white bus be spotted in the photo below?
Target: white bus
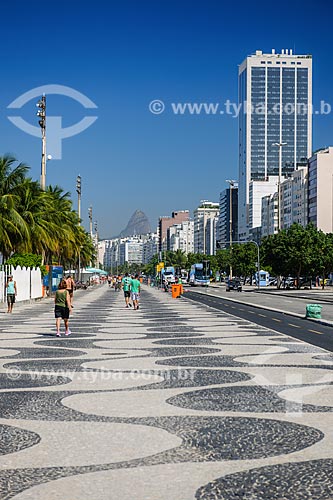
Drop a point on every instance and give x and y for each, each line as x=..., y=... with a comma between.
x=199, y=275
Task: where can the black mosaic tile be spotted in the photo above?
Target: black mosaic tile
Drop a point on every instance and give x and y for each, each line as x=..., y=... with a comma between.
x=179, y=328
x=241, y=399
x=202, y=361
x=228, y=361
x=232, y=438
x=57, y=365
x=192, y=378
x=30, y=352
x=14, y=439
x=178, y=351
x=72, y=342
x=18, y=380
x=165, y=335
x=187, y=341
x=312, y=480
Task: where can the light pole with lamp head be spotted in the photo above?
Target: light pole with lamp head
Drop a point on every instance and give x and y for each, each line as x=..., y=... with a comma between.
x=78, y=190
x=231, y=186
x=90, y=225
x=279, y=145
x=41, y=113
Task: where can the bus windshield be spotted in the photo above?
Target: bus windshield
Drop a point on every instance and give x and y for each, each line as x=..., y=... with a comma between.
x=199, y=273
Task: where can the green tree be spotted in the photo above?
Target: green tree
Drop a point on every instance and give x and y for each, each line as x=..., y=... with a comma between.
x=244, y=259
x=12, y=226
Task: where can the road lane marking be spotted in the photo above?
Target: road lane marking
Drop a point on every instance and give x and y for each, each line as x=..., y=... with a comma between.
x=262, y=315
x=275, y=319
x=315, y=331
x=251, y=312
x=295, y=326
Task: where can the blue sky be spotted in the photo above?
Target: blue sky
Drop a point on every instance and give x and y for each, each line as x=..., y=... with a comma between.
x=122, y=55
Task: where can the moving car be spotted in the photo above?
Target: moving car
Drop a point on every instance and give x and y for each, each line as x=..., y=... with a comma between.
x=233, y=284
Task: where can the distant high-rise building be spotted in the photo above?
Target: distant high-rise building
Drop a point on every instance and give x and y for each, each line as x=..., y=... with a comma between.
x=228, y=212
x=181, y=237
x=165, y=222
x=275, y=97
x=320, y=179
x=204, y=229
x=300, y=196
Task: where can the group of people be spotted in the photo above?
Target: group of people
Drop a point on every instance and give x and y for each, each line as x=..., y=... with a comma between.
x=132, y=288
x=63, y=300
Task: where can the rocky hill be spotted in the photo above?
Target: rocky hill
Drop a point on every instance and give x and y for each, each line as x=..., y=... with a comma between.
x=138, y=224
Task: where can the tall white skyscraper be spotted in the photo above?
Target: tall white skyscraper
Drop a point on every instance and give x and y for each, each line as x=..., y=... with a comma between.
x=275, y=94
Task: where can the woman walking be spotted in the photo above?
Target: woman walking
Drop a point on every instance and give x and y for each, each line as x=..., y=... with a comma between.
x=62, y=307
x=70, y=287
x=11, y=291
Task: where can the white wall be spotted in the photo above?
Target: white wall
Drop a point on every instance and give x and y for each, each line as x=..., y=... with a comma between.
x=28, y=283
x=22, y=278
x=36, y=283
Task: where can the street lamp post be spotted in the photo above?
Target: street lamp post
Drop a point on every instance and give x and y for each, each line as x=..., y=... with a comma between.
x=231, y=186
x=79, y=192
x=96, y=244
x=41, y=113
x=90, y=225
x=279, y=145
x=90, y=221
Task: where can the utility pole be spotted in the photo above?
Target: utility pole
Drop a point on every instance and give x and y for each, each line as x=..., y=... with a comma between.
x=90, y=221
x=90, y=225
x=79, y=191
x=41, y=113
x=96, y=243
x=231, y=186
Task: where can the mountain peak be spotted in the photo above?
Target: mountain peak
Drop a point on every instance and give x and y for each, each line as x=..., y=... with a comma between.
x=138, y=224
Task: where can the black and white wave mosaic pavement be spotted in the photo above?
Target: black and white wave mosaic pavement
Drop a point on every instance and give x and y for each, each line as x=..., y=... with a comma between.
x=174, y=401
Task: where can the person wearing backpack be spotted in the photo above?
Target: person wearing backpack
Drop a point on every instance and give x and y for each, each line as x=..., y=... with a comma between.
x=126, y=283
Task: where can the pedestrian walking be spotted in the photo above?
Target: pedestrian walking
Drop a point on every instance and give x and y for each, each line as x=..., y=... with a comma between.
x=70, y=287
x=11, y=291
x=135, y=291
x=126, y=283
x=62, y=307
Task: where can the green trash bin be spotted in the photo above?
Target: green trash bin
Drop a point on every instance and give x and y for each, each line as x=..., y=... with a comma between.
x=313, y=311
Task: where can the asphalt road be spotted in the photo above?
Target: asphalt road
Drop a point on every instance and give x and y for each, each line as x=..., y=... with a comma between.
x=302, y=329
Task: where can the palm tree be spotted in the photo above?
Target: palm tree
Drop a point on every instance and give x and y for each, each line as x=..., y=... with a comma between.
x=179, y=258
x=13, y=228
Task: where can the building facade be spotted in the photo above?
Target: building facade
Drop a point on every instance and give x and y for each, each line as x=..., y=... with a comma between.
x=275, y=96
x=320, y=208
x=165, y=222
x=227, y=212
x=206, y=211
x=269, y=215
x=181, y=237
x=300, y=196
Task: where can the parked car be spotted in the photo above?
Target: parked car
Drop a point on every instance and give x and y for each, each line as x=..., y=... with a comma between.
x=233, y=284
